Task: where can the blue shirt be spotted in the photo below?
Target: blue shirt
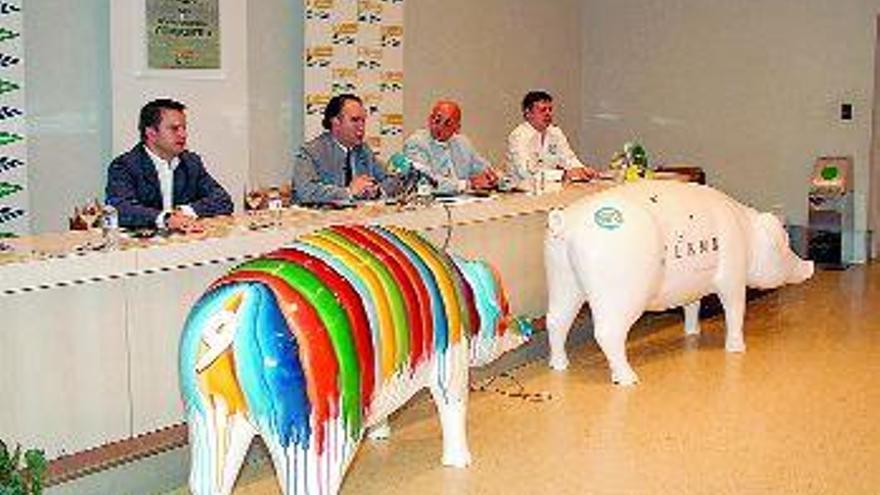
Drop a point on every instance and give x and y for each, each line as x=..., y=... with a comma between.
x=451, y=162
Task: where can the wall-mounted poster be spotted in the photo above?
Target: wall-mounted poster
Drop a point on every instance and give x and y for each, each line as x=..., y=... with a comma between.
x=183, y=34
x=356, y=46
x=13, y=129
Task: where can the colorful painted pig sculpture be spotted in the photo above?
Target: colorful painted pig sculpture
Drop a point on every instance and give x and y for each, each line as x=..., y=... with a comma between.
x=654, y=245
x=313, y=343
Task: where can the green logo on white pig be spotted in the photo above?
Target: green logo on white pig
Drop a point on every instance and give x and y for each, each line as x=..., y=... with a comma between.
x=608, y=217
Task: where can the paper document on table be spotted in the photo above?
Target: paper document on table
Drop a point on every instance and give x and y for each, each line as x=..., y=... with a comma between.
x=461, y=199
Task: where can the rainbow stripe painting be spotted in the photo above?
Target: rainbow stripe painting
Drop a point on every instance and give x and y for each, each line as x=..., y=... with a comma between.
x=316, y=343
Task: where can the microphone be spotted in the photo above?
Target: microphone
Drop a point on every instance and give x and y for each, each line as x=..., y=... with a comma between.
x=423, y=172
x=413, y=170
x=400, y=163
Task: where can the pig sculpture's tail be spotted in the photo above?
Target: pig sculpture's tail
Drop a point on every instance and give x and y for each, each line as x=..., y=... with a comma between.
x=555, y=222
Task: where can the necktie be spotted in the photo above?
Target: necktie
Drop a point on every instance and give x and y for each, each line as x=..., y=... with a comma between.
x=348, y=167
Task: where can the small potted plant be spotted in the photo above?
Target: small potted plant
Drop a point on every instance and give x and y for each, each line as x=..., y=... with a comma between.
x=21, y=474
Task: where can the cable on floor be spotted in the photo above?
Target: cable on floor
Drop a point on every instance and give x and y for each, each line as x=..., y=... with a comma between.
x=515, y=389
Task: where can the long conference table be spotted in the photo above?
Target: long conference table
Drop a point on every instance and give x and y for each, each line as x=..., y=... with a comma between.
x=88, y=336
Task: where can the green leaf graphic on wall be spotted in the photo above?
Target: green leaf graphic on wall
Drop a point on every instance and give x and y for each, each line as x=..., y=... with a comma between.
x=7, y=86
x=6, y=34
x=7, y=188
x=9, y=138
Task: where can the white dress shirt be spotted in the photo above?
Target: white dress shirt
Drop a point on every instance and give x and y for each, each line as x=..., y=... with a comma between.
x=165, y=171
x=528, y=150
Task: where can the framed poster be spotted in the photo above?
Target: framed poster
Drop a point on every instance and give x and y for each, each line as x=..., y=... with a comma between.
x=182, y=34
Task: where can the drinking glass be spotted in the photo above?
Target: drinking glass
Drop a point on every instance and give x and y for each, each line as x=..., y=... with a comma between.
x=253, y=199
x=90, y=213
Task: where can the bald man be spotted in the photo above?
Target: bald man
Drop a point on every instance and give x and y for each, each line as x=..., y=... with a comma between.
x=448, y=154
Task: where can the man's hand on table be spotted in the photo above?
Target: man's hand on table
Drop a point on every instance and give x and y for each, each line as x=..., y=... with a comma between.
x=579, y=174
x=364, y=187
x=485, y=180
x=179, y=221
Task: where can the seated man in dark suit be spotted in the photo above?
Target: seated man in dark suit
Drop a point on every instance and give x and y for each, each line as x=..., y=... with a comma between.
x=338, y=166
x=158, y=183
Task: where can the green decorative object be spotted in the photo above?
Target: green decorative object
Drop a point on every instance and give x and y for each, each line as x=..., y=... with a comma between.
x=6, y=34
x=830, y=172
x=7, y=188
x=21, y=473
x=638, y=155
x=9, y=138
x=6, y=86
x=632, y=163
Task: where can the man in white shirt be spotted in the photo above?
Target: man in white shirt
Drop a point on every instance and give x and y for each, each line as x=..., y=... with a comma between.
x=447, y=155
x=537, y=143
x=159, y=183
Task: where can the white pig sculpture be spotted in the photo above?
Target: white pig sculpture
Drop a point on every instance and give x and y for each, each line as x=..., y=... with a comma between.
x=655, y=245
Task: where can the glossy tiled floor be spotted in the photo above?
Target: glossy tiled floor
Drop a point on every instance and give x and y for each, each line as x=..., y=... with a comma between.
x=799, y=412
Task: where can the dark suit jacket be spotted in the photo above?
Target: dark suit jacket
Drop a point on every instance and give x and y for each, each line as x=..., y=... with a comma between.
x=133, y=188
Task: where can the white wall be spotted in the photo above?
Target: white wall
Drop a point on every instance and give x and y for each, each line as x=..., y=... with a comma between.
x=67, y=84
x=217, y=115
x=486, y=55
x=275, y=88
x=750, y=91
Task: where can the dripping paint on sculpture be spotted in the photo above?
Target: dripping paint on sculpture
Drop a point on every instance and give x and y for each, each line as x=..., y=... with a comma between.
x=654, y=245
x=311, y=344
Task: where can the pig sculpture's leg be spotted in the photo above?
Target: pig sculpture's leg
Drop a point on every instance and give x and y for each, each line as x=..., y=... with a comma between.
x=241, y=434
x=734, y=300
x=733, y=269
x=564, y=300
x=218, y=450
x=692, y=318
x=280, y=460
x=301, y=470
x=449, y=389
x=611, y=326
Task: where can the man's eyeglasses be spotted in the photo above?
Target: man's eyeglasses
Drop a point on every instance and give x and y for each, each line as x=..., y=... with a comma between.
x=438, y=119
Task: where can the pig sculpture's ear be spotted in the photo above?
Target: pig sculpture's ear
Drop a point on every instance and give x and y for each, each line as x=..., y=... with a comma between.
x=771, y=229
x=768, y=247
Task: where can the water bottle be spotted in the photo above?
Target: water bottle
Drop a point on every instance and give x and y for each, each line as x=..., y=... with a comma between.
x=110, y=226
x=424, y=190
x=275, y=205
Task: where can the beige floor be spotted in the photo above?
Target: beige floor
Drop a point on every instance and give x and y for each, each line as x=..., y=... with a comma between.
x=798, y=413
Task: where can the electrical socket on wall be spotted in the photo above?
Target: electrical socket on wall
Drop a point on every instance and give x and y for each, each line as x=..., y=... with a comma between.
x=846, y=111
